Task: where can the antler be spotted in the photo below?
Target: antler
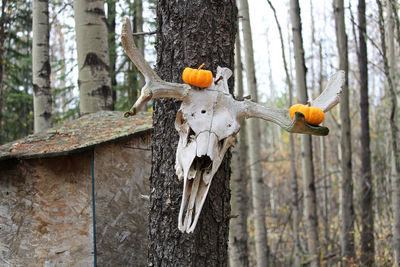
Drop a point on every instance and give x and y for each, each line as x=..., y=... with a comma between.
x=155, y=87
x=327, y=100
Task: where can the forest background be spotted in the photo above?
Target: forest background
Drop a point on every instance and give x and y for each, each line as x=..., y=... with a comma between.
x=279, y=163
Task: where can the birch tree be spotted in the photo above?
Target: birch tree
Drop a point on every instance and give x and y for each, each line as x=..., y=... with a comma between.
x=310, y=206
x=389, y=62
x=93, y=56
x=394, y=129
x=185, y=40
x=138, y=25
x=346, y=192
x=293, y=173
x=238, y=252
x=257, y=181
x=42, y=101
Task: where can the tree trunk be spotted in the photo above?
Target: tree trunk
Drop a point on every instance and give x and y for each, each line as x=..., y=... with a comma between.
x=395, y=6
x=310, y=206
x=292, y=155
x=42, y=102
x=367, y=218
x=346, y=192
x=188, y=35
x=389, y=61
x=238, y=252
x=112, y=45
x=257, y=181
x=394, y=130
x=324, y=170
x=93, y=59
x=139, y=39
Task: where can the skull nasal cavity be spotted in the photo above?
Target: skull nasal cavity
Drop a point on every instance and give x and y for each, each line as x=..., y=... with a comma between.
x=205, y=163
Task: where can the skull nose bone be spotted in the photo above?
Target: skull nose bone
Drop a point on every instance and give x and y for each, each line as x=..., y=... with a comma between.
x=202, y=141
x=207, y=145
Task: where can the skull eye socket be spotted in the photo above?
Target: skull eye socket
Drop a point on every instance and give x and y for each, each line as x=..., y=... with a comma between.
x=203, y=111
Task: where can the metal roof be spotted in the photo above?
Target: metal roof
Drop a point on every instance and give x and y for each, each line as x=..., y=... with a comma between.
x=77, y=135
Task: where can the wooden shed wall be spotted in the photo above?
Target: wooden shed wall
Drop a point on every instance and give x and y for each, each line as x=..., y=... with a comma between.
x=122, y=172
x=45, y=212
x=46, y=207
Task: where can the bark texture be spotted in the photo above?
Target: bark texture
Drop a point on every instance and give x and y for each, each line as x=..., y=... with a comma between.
x=188, y=35
x=346, y=192
x=42, y=101
x=310, y=207
x=93, y=56
x=389, y=61
x=367, y=218
x=112, y=45
x=238, y=252
x=257, y=179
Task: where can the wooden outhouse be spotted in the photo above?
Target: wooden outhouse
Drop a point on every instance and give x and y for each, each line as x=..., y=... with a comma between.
x=77, y=193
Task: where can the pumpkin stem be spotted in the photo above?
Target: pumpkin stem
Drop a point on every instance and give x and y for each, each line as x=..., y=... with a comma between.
x=309, y=103
x=202, y=65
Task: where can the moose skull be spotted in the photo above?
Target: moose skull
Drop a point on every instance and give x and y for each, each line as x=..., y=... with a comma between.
x=206, y=129
x=207, y=123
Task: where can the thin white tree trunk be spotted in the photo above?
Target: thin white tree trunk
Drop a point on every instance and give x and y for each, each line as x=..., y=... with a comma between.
x=293, y=173
x=42, y=101
x=346, y=188
x=310, y=212
x=140, y=39
x=238, y=252
x=93, y=59
x=257, y=181
x=394, y=124
x=324, y=169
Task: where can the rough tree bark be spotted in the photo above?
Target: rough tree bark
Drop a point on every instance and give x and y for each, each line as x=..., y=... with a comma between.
x=112, y=45
x=310, y=206
x=367, y=218
x=238, y=252
x=293, y=173
x=257, y=181
x=389, y=62
x=93, y=56
x=188, y=35
x=346, y=192
x=42, y=101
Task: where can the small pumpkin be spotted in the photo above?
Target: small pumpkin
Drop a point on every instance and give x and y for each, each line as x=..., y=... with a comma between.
x=312, y=115
x=197, y=77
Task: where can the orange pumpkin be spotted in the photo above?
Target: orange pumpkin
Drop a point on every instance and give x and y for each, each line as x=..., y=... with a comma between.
x=312, y=115
x=197, y=77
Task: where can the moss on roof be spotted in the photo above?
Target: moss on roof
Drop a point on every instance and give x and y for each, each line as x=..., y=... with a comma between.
x=76, y=135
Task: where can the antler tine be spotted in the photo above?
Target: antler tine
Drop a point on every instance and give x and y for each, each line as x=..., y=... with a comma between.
x=155, y=87
x=281, y=117
x=327, y=100
x=331, y=95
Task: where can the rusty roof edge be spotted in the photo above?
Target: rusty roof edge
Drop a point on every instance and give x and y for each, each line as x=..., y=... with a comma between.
x=72, y=151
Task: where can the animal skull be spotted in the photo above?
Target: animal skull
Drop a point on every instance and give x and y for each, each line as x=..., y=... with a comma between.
x=207, y=123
